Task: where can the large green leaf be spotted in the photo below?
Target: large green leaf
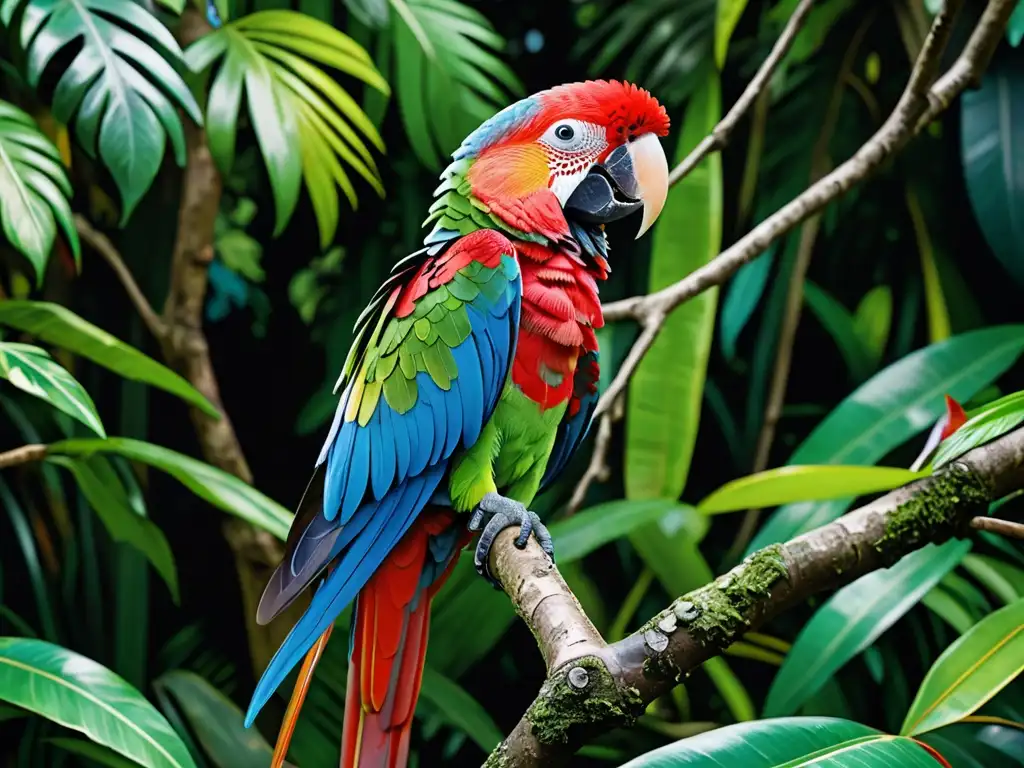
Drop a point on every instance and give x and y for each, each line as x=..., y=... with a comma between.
x=61, y=327
x=82, y=695
x=34, y=190
x=100, y=484
x=992, y=141
x=965, y=746
x=788, y=742
x=121, y=92
x=302, y=118
x=460, y=709
x=852, y=619
x=742, y=297
x=970, y=672
x=729, y=12
x=219, y=488
x=666, y=392
x=990, y=422
x=215, y=720
x=448, y=77
x=894, y=405
x=798, y=483
x=579, y=535
x=32, y=370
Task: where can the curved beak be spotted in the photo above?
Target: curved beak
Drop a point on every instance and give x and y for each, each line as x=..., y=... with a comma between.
x=634, y=176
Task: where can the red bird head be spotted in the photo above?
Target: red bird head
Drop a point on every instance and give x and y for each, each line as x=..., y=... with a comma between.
x=589, y=150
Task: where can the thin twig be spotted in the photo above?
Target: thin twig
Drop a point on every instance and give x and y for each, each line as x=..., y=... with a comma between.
x=22, y=455
x=718, y=139
x=1002, y=527
x=102, y=245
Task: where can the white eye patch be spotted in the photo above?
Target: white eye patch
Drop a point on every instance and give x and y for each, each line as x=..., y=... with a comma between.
x=573, y=146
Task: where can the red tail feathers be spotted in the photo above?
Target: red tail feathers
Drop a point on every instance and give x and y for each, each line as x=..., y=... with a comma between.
x=389, y=644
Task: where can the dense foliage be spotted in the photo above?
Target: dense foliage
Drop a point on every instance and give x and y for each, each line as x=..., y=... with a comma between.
x=329, y=123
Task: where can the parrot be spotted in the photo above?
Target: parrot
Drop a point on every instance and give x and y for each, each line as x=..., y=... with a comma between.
x=471, y=379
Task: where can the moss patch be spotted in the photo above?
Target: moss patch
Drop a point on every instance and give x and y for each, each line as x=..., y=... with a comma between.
x=716, y=613
x=561, y=708
x=934, y=513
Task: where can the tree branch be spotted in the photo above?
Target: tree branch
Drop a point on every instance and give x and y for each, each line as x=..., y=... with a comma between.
x=592, y=686
x=995, y=525
x=22, y=455
x=102, y=245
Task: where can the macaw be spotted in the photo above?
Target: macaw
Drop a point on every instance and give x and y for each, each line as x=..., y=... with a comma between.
x=471, y=380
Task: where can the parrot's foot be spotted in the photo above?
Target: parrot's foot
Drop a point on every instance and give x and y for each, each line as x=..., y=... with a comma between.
x=494, y=514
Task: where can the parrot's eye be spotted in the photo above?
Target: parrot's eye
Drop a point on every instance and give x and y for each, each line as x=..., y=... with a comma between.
x=572, y=136
x=564, y=132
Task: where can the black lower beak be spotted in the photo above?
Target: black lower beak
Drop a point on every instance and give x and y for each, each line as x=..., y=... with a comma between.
x=607, y=193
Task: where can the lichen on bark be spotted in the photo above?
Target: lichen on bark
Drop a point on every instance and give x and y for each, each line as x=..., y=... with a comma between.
x=935, y=512
x=562, y=707
x=716, y=613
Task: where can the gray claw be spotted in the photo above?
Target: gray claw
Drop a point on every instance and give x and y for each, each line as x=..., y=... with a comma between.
x=494, y=514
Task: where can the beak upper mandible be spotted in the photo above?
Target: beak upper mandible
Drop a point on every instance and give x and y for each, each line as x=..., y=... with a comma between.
x=650, y=171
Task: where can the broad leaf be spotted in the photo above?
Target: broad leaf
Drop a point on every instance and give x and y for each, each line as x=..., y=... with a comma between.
x=94, y=752
x=992, y=141
x=32, y=370
x=100, y=484
x=219, y=488
x=788, y=742
x=1004, y=580
x=34, y=190
x=80, y=694
x=61, y=327
x=853, y=618
x=215, y=721
x=448, y=78
x=459, y=709
x=970, y=672
x=121, y=92
x=894, y=405
x=966, y=746
x=992, y=421
x=741, y=298
x=667, y=390
x=305, y=123
x=729, y=12
x=799, y=483
x=872, y=322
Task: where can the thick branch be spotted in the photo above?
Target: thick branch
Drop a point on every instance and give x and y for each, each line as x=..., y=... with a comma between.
x=600, y=686
x=1002, y=527
x=102, y=245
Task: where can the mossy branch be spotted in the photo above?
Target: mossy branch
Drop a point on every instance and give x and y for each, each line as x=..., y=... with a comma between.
x=593, y=686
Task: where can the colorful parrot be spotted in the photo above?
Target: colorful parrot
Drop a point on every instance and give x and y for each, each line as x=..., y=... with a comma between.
x=471, y=380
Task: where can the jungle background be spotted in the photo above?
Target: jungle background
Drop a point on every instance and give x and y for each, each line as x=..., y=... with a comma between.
x=907, y=289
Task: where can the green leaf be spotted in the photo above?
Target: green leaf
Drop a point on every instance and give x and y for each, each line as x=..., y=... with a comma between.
x=459, y=709
x=742, y=297
x=994, y=420
x=787, y=743
x=946, y=607
x=34, y=190
x=61, y=327
x=174, y=6
x=939, y=323
x=80, y=694
x=1005, y=581
x=32, y=370
x=978, y=665
x=219, y=488
x=215, y=720
x=896, y=404
x=1015, y=29
x=992, y=139
x=964, y=746
x=94, y=752
x=799, y=483
x=449, y=79
x=872, y=322
x=853, y=618
x=120, y=91
x=577, y=536
x=105, y=493
x=729, y=12
x=841, y=326
x=735, y=695
x=666, y=392
x=306, y=125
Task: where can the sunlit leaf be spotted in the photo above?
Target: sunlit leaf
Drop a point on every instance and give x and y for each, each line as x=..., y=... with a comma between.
x=116, y=82
x=61, y=327
x=729, y=12
x=32, y=370
x=800, y=483
x=80, y=694
x=971, y=671
x=872, y=321
x=853, y=618
x=216, y=486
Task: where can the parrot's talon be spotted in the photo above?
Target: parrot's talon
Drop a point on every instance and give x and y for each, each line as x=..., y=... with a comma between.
x=494, y=514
